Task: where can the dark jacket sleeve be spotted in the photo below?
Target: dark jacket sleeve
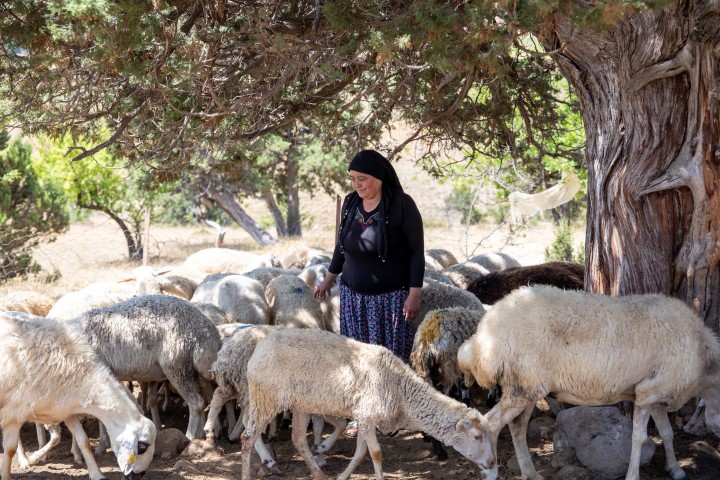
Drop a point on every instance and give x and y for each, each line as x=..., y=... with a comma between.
x=412, y=228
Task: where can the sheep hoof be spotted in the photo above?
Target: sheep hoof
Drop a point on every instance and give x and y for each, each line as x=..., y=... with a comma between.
x=320, y=461
x=677, y=473
x=273, y=468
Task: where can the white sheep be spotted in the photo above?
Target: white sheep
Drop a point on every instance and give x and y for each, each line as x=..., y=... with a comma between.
x=292, y=303
x=241, y=298
x=165, y=281
x=50, y=374
x=265, y=274
x=34, y=303
x=72, y=304
x=365, y=382
x=154, y=338
x=209, y=261
x=591, y=349
x=494, y=261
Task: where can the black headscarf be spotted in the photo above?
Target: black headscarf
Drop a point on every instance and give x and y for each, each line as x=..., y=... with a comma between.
x=372, y=163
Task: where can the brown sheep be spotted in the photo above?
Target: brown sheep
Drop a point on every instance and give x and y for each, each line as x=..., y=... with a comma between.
x=492, y=287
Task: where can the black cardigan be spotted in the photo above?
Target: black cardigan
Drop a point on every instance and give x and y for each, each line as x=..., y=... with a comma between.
x=404, y=263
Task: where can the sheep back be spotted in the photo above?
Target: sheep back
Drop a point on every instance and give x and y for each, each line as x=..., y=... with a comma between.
x=493, y=286
x=241, y=298
x=163, y=330
x=593, y=349
x=437, y=295
x=292, y=303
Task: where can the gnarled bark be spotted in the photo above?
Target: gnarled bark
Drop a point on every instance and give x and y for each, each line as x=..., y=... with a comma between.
x=649, y=96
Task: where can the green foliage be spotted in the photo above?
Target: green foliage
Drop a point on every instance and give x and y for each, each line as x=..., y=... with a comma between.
x=463, y=200
x=32, y=209
x=562, y=249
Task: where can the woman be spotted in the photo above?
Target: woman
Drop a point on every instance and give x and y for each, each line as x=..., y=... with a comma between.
x=380, y=252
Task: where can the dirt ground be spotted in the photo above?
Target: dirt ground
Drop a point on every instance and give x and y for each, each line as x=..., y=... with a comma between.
x=405, y=456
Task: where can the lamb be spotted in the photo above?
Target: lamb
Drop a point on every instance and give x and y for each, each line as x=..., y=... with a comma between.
x=366, y=382
x=30, y=302
x=436, y=295
x=241, y=298
x=492, y=287
x=591, y=349
x=434, y=353
x=230, y=373
x=171, y=340
x=292, y=303
x=52, y=364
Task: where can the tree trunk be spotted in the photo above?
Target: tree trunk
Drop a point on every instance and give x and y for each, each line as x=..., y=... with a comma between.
x=280, y=225
x=648, y=92
x=134, y=246
x=293, y=196
x=237, y=213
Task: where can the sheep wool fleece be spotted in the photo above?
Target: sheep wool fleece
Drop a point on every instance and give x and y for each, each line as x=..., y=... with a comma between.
x=377, y=319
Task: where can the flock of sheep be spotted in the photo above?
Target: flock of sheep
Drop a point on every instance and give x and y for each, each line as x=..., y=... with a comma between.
x=228, y=329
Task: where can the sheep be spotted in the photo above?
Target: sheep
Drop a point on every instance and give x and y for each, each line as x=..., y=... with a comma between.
x=153, y=338
x=437, y=259
x=52, y=375
x=214, y=313
x=304, y=256
x=73, y=304
x=292, y=303
x=462, y=274
x=265, y=274
x=314, y=274
x=366, y=382
x=492, y=287
x=241, y=298
x=592, y=349
x=150, y=281
x=223, y=260
x=26, y=301
x=494, y=261
x=434, y=353
x=436, y=295
x=230, y=373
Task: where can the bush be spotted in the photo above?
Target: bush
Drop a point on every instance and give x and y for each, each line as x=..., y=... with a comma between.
x=562, y=249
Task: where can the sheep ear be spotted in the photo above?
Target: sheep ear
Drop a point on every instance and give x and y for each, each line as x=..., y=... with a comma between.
x=126, y=458
x=462, y=426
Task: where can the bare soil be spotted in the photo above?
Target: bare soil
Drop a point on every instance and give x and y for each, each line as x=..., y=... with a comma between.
x=405, y=456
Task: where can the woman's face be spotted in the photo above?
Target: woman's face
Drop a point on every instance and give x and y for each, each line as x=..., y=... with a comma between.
x=366, y=186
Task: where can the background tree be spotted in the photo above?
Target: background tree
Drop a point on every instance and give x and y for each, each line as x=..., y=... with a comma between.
x=169, y=78
x=31, y=210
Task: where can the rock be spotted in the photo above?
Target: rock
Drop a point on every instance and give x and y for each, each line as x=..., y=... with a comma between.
x=541, y=428
x=703, y=462
x=184, y=465
x=572, y=472
x=602, y=439
x=202, y=450
x=170, y=442
x=564, y=458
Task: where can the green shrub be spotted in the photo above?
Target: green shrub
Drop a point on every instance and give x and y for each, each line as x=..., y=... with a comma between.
x=562, y=250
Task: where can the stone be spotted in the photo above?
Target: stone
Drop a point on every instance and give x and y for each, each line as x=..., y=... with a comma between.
x=602, y=439
x=170, y=442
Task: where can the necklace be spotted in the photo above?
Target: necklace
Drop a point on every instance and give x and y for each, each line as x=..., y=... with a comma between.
x=363, y=222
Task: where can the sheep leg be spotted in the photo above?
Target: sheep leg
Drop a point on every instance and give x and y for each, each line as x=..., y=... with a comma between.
x=219, y=399
x=41, y=454
x=339, y=425
x=83, y=442
x=11, y=437
x=104, y=440
x=375, y=452
x=500, y=415
x=518, y=430
x=641, y=415
x=152, y=403
x=299, y=439
x=75, y=451
x=230, y=414
x=360, y=451
x=191, y=393
x=267, y=458
x=249, y=439
x=666, y=434
x=23, y=460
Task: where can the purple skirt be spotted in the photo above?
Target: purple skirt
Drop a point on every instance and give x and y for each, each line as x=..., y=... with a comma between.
x=377, y=319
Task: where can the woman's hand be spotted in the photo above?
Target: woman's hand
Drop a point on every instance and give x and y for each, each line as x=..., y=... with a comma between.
x=322, y=289
x=411, y=309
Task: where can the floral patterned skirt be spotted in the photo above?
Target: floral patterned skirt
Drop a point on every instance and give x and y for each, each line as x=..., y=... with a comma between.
x=377, y=319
